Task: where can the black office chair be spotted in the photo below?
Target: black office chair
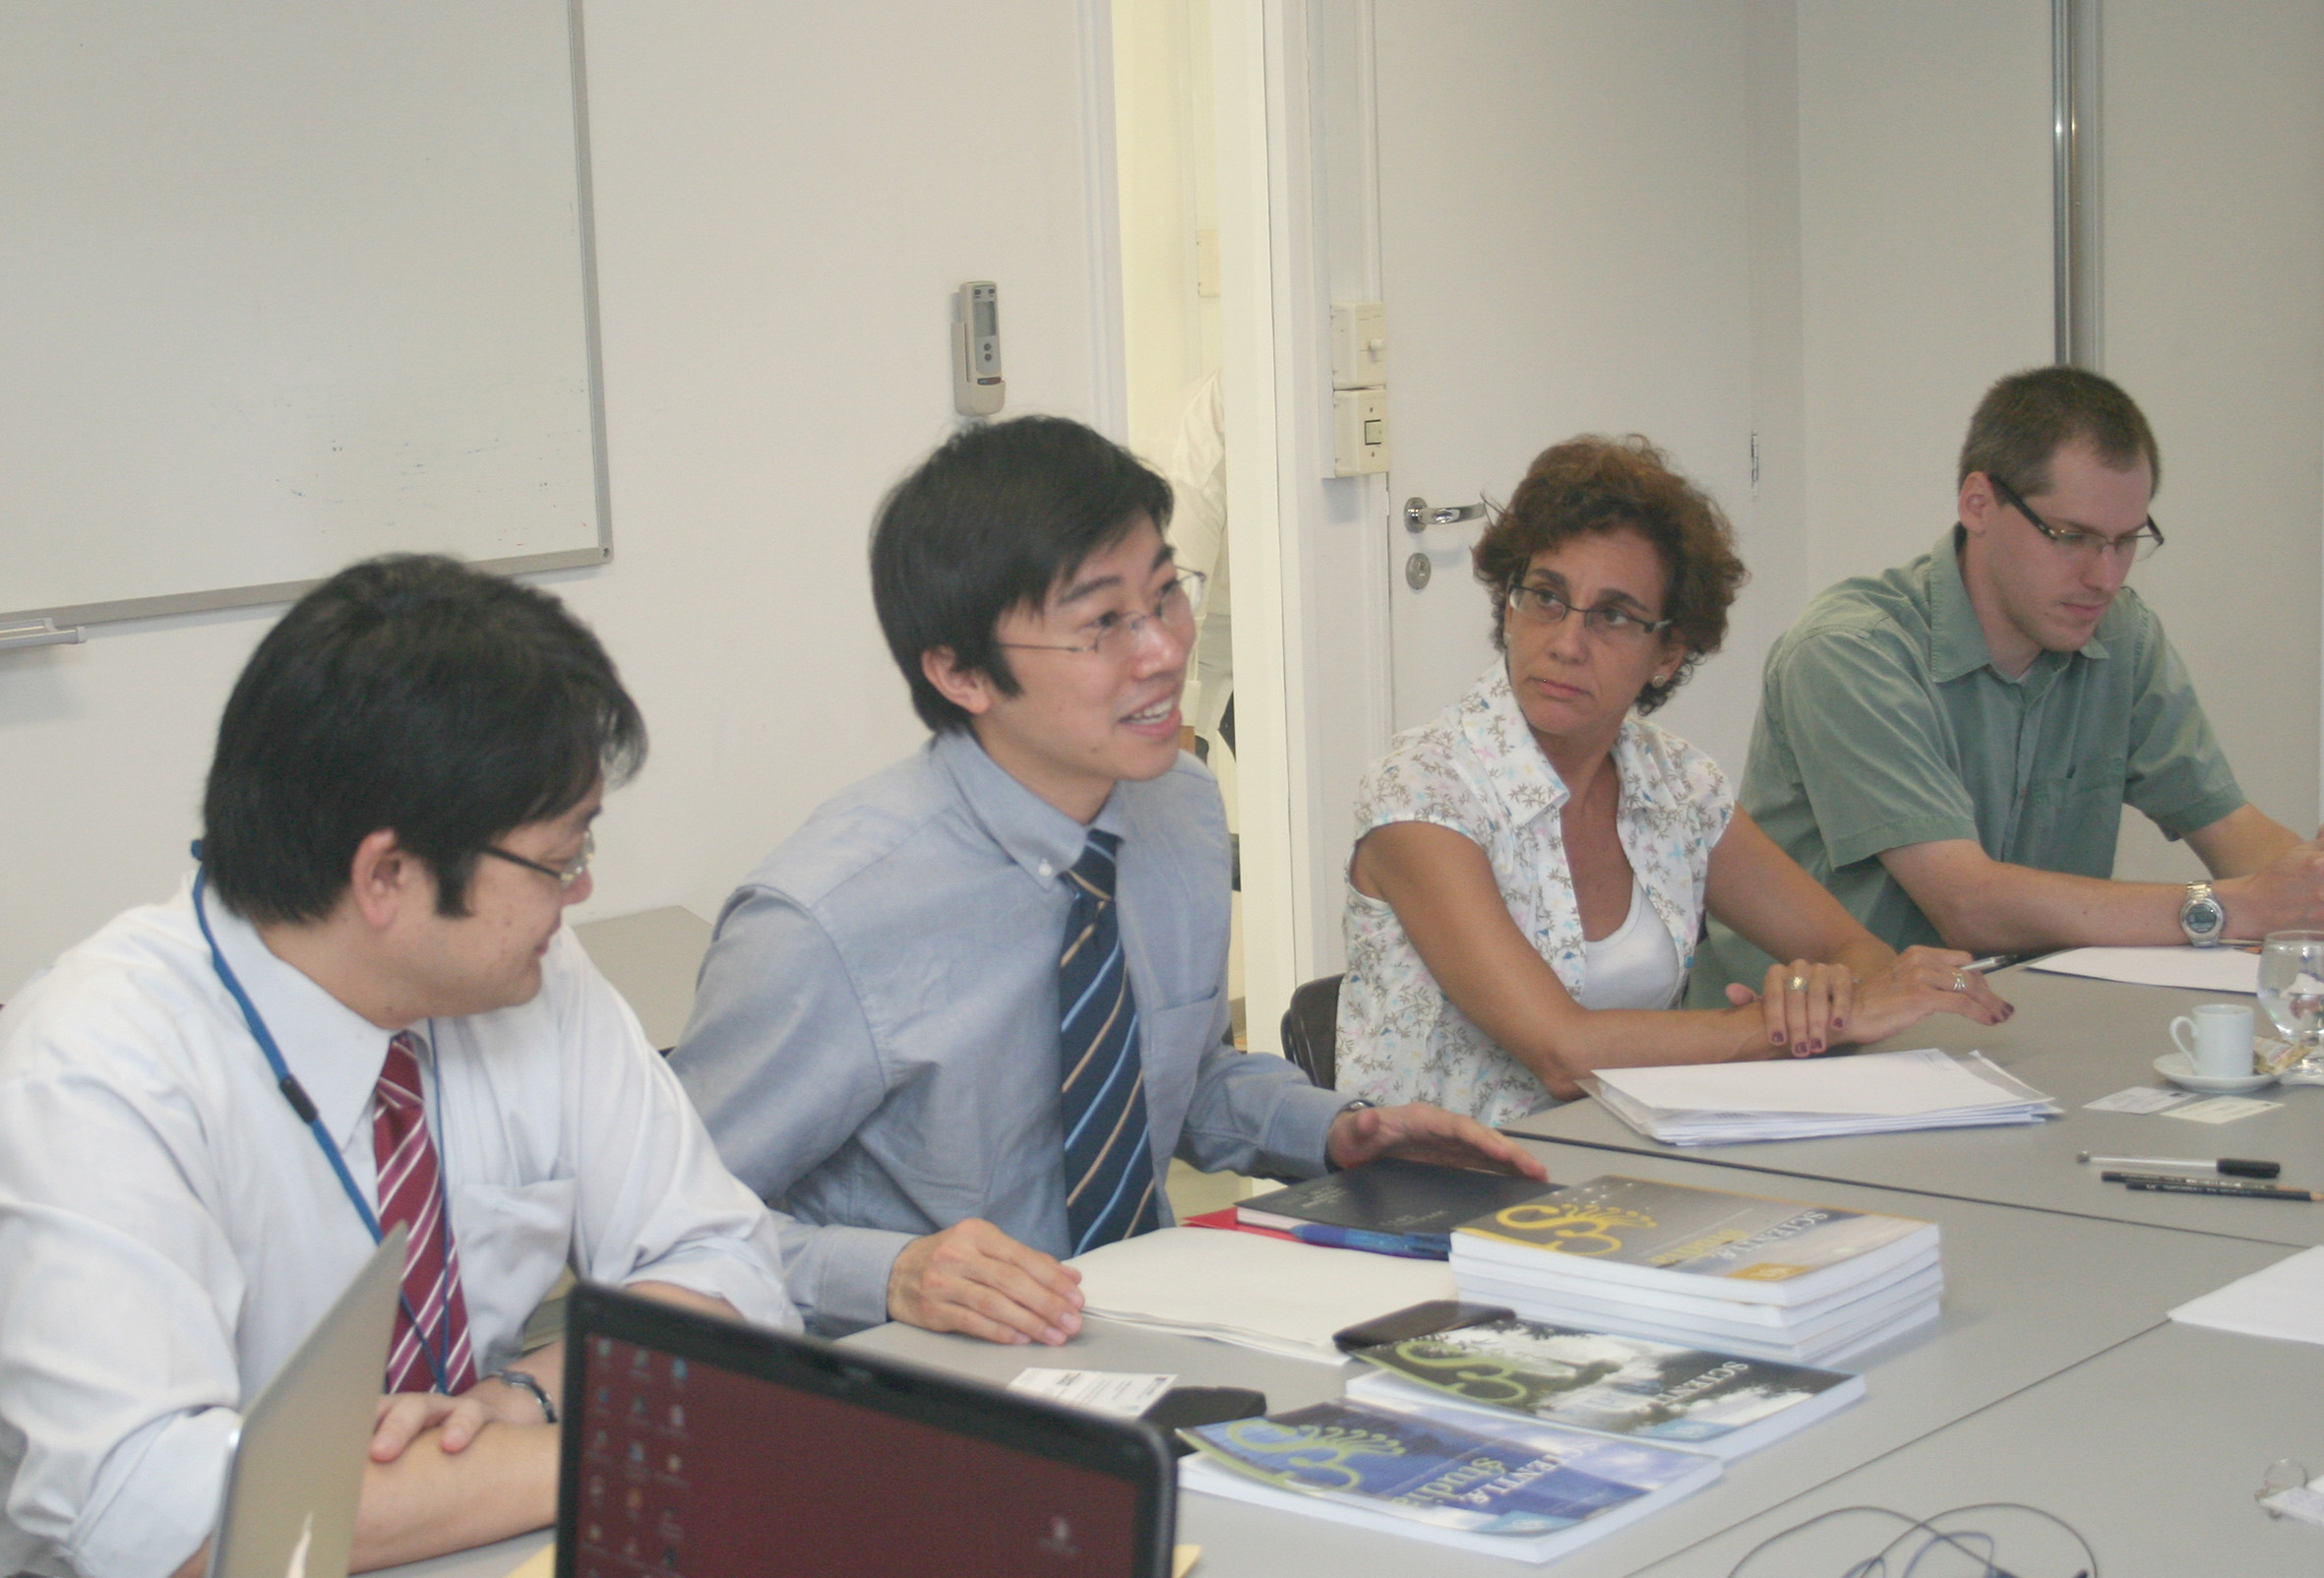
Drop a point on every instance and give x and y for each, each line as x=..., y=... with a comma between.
x=1310, y=1029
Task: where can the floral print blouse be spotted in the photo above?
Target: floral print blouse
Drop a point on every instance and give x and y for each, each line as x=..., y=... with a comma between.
x=1478, y=771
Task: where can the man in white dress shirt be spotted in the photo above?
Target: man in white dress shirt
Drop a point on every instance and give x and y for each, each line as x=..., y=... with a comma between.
x=397, y=812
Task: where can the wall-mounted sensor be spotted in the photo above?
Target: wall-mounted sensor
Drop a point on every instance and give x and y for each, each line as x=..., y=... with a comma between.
x=977, y=385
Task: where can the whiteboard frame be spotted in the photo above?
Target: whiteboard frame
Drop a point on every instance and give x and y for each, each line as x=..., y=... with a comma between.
x=285, y=591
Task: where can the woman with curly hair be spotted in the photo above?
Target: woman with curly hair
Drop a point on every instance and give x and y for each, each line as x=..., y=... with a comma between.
x=1532, y=867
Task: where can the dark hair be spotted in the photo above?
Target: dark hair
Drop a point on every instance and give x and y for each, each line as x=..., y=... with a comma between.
x=409, y=692
x=995, y=519
x=1590, y=485
x=2026, y=418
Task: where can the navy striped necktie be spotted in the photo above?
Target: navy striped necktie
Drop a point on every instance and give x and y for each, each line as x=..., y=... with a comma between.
x=1109, y=1157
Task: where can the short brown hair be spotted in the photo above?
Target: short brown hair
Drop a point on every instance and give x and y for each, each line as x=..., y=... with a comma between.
x=1589, y=485
x=2026, y=418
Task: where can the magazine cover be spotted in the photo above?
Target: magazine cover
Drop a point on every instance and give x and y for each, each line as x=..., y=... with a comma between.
x=1610, y=1384
x=1449, y=1469
x=1630, y=1229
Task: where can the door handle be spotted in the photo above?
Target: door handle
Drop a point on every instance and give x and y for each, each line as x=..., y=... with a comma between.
x=1417, y=516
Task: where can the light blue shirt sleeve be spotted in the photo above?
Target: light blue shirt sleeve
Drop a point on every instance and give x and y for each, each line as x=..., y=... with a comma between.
x=780, y=1061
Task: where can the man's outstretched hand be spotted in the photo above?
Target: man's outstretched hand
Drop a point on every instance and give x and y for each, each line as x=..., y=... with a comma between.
x=1420, y=1132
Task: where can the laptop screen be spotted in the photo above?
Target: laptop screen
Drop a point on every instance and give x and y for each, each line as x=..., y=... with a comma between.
x=706, y=1448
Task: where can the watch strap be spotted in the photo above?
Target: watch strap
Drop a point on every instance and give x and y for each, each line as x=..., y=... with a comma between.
x=525, y=1383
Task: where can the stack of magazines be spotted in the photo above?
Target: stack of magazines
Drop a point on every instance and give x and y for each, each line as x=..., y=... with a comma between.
x=1705, y=1268
x=1874, y=1093
x=1509, y=1488
x=1723, y=1404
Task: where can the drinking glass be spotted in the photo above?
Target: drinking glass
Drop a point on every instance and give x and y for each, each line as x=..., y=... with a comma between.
x=2292, y=991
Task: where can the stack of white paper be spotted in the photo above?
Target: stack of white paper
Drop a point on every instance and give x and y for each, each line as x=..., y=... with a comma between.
x=1724, y=1104
x=1252, y=1290
x=2196, y=969
x=2285, y=1301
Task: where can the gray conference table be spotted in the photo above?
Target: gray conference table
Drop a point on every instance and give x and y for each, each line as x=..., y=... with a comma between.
x=2052, y=1376
x=2029, y=1296
x=1987, y=1398
x=2074, y=1040
x=2153, y=1449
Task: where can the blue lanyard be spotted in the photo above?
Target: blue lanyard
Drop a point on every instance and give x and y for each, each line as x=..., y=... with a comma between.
x=303, y=1105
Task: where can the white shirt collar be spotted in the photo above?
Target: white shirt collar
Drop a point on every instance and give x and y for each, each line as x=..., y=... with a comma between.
x=1502, y=741
x=335, y=1053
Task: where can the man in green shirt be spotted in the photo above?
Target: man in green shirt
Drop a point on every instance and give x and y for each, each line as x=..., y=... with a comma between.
x=1948, y=746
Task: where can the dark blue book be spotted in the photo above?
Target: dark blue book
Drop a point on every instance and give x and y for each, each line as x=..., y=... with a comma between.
x=1516, y=1488
x=1415, y=1204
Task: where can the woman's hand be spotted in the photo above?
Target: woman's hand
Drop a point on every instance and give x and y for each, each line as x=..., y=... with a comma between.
x=1923, y=981
x=1805, y=1007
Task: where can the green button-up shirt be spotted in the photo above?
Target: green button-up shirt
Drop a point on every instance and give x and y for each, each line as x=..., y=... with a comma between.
x=1883, y=722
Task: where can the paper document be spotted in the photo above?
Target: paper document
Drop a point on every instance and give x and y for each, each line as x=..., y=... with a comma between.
x=2222, y=1110
x=2285, y=1301
x=1265, y=1292
x=1890, y=1083
x=1878, y=1092
x=1101, y=1391
x=2141, y=1099
x=2197, y=969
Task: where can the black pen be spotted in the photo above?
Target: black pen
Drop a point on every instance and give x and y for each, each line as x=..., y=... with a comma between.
x=2234, y=1166
x=2203, y=1185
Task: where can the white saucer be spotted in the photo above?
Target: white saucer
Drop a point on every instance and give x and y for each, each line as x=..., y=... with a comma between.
x=2172, y=1066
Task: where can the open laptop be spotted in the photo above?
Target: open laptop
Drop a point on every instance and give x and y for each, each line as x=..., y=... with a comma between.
x=702, y=1447
x=297, y=1470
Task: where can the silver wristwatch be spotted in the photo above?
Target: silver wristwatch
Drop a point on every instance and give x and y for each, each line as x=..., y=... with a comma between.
x=2201, y=917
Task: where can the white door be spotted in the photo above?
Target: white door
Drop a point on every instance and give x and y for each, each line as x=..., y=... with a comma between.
x=1565, y=248
x=1735, y=229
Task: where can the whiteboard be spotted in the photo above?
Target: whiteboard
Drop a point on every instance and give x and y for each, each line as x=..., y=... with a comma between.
x=284, y=284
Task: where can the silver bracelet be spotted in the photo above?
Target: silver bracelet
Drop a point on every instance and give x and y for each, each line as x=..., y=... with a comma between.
x=523, y=1382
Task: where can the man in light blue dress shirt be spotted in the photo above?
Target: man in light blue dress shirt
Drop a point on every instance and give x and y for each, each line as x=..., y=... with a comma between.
x=875, y=1042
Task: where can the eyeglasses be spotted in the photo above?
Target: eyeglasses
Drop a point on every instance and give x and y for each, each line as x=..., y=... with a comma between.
x=2137, y=544
x=1114, y=634
x=1538, y=605
x=568, y=873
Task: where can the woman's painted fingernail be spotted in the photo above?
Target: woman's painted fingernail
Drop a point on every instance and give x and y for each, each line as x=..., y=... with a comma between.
x=1776, y=1036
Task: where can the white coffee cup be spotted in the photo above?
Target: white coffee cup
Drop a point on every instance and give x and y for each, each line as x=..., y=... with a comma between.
x=2221, y=1033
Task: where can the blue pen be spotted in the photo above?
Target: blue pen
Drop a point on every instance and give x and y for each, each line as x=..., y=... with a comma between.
x=1412, y=1247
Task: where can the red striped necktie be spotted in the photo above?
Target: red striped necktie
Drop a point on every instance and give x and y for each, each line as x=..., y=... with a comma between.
x=411, y=1193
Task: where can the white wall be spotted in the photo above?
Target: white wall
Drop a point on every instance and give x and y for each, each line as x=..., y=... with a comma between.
x=1924, y=247
x=784, y=200
x=2213, y=155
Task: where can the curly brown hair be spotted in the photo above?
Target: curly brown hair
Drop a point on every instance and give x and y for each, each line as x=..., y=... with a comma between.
x=1594, y=484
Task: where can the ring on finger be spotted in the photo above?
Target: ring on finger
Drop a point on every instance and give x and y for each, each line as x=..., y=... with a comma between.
x=1797, y=983
x=1960, y=981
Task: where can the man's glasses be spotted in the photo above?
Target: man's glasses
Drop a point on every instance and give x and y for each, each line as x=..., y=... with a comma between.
x=2082, y=544
x=568, y=873
x=1538, y=605
x=1114, y=634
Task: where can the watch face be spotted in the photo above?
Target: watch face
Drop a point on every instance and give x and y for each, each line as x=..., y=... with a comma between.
x=2202, y=917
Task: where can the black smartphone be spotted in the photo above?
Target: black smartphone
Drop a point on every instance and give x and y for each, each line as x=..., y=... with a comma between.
x=1419, y=1321
x=1184, y=1406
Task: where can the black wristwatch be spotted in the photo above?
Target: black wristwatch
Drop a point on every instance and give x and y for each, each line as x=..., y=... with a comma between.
x=2201, y=917
x=525, y=1383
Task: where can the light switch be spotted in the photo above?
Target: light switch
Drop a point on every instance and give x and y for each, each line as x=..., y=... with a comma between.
x=1359, y=344
x=1359, y=432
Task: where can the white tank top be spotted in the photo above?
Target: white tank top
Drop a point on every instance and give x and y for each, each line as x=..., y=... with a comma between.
x=1636, y=967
